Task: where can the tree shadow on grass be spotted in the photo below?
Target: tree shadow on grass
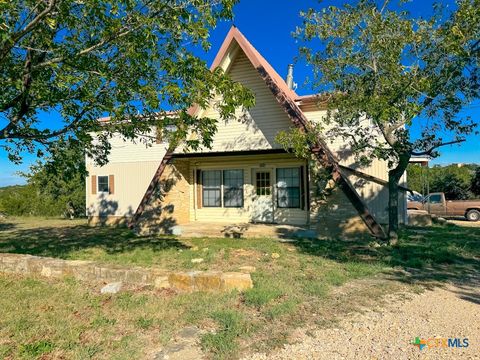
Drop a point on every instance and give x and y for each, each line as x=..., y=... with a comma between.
x=6, y=226
x=422, y=255
x=61, y=241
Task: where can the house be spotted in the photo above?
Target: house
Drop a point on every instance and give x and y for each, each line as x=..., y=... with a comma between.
x=245, y=177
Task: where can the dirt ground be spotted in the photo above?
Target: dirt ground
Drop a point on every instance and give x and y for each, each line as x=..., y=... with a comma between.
x=449, y=312
x=463, y=222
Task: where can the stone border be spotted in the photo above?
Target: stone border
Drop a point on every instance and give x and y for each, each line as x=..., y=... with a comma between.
x=91, y=271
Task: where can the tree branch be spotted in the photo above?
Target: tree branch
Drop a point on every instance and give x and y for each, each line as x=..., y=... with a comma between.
x=429, y=151
x=9, y=43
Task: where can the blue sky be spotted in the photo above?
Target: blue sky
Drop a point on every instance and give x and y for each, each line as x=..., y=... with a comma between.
x=268, y=25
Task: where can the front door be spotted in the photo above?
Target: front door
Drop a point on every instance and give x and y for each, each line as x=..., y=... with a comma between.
x=262, y=207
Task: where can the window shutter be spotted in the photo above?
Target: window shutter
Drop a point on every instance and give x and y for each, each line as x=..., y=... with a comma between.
x=302, y=187
x=111, y=184
x=94, y=184
x=199, y=189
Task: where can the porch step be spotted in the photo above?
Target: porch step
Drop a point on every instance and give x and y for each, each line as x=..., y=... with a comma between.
x=245, y=230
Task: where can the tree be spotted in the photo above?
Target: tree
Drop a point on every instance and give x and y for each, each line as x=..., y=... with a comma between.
x=452, y=185
x=60, y=179
x=382, y=72
x=417, y=178
x=452, y=179
x=55, y=186
x=86, y=59
x=475, y=183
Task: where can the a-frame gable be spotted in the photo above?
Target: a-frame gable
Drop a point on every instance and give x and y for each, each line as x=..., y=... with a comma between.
x=252, y=129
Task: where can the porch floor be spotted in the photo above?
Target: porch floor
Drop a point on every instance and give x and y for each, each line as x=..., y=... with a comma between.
x=243, y=230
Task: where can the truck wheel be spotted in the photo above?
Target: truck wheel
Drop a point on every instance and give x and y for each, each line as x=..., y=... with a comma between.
x=473, y=215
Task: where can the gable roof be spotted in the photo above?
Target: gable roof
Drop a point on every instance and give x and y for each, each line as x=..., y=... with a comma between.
x=286, y=98
x=257, y=60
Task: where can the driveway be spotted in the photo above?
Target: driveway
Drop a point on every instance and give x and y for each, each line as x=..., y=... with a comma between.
x=449, y=312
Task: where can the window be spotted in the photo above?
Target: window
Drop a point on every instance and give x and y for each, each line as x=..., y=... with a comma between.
x=435, y=199
x=233, y=188
x=212, y=187
x=263, y=183
x=103, y=184
x=288, y=185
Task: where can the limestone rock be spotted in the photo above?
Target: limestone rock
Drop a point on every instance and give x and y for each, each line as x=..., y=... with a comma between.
x=161, y=282
x=247, y=269
x=236, y=281
x=111, y=288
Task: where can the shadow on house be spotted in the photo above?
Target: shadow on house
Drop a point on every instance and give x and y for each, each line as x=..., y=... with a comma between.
x=105, y=212
x=165, y=205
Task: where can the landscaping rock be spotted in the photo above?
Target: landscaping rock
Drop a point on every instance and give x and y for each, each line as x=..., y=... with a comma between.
x=208, y=281
x=182, y=280
x=161, y=282
x=184, y=347
x=115, y=274
x=419, y=218
x=247, y=269
x=236, y=281
x=111, y=288
x=439, y=220
x=176, y=230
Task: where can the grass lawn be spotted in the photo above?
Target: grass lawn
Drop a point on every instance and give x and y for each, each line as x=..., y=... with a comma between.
x=299, y=286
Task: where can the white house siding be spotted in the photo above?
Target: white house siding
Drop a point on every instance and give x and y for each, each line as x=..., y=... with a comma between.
x=374, y=194
x=248, y=164
x=141, y=149
x=257, y=128
x=133, y=165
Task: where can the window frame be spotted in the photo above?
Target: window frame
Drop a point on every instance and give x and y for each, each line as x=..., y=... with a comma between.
x=435, y=202
x=279, y=188
x=211, y=188
x=222, y=188
x=98, y=184
x=263, y=189
x=241, y=188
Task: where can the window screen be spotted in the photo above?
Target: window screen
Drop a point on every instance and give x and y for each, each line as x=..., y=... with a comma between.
x=233, y=188
x=288, y=185
x=103, y=184
x=212, y=184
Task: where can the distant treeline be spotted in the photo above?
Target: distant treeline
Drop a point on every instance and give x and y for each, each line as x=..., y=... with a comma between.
x=55, y=187
x=458, y=182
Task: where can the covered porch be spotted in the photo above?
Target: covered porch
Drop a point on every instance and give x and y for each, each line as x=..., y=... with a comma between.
x=261, y=187
x=243, y=230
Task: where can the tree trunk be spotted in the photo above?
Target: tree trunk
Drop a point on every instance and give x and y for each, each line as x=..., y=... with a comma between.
x=394, y=176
